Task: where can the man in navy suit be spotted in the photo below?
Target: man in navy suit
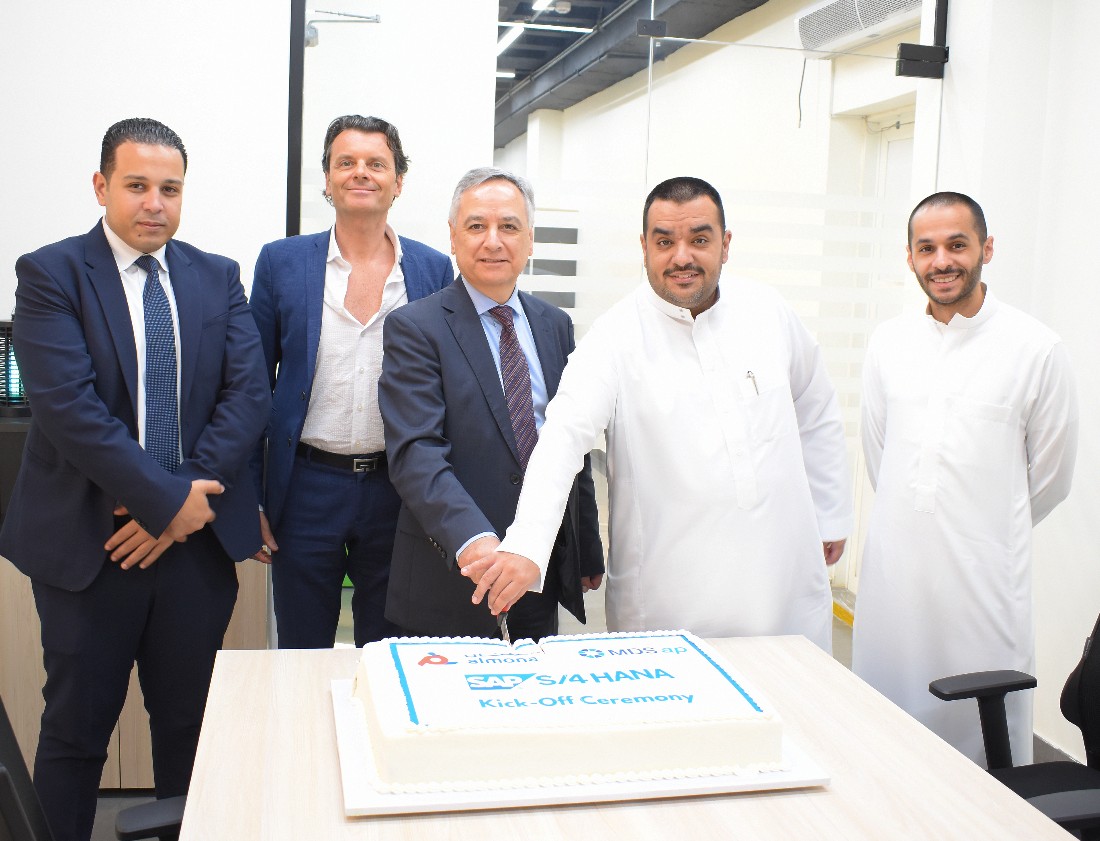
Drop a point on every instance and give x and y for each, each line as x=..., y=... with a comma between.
x=133, y=499
x=320, y=302
x=450, y=397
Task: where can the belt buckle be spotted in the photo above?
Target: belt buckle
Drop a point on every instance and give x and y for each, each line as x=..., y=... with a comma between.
x=364, y=465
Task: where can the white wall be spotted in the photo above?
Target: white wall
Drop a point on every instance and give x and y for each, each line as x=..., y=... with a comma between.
x=428, y=68
x=215, y=72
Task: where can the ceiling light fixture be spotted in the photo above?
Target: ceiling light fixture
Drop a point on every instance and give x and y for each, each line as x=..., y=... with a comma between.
x=509, y=37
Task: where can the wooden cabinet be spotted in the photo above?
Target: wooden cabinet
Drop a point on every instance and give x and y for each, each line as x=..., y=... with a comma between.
x=129, y=762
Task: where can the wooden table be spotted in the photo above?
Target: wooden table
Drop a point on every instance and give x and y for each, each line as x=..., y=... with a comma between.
x=267, y=768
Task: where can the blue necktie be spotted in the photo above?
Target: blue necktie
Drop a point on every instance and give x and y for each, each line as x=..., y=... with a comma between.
x=516, y=375
x=162, y=436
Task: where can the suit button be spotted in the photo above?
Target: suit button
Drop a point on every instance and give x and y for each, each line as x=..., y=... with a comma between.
x=288, y=442
x=516, y=478
x=302, y=396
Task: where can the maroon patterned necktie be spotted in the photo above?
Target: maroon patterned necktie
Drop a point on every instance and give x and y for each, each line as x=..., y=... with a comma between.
x=517, y=384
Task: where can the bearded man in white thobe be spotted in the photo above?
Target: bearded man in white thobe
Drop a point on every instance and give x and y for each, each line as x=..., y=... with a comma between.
x=726, y=465
x=970, y=432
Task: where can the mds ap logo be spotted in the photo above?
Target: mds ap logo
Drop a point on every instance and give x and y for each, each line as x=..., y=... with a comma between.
x=591, y=652
x=482, y=682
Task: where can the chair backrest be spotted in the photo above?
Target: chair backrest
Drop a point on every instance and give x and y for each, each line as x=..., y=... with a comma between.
x=20, y=812
x=1081, y=697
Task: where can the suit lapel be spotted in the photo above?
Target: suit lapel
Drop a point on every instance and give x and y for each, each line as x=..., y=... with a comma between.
x=550, y=354
x=465, y=325
x=416, y=286
x=316, y=263
x=187, y=290
x=103, y=273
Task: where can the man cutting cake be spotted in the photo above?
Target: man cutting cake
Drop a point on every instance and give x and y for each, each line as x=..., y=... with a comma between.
x=466, y=375
x=727, y=467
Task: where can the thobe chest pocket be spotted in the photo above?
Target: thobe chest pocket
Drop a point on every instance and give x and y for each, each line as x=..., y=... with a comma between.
x=767, y=407
x=980, y=411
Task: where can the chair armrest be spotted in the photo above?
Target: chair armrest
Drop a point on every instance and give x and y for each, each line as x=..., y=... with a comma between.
x=980, y=684
x=1070, y=809
x=158, y=817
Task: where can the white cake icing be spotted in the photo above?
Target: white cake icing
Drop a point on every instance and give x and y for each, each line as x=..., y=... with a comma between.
x=464, y=713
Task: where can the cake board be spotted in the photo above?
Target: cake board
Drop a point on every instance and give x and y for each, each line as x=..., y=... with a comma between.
x=362, y=799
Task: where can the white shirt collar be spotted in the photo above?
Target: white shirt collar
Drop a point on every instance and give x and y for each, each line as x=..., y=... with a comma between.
x=125, y=254
x=334, y=249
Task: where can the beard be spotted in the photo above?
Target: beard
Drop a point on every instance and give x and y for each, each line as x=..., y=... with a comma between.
x=970, y=278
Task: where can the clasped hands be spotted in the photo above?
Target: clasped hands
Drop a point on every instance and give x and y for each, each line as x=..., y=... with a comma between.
x=132, y=544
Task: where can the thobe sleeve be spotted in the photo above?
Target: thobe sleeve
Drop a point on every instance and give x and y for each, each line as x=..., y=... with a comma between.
x=576, y=416
x=821, y=431
x=873, y=416
x=1051, y=435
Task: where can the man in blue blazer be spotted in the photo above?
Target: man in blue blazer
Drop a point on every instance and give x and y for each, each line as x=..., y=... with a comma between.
x=320, y=302
x=466, y=376
x=145, y=378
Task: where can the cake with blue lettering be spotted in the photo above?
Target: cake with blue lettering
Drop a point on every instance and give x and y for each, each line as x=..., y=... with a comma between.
x=463, y=713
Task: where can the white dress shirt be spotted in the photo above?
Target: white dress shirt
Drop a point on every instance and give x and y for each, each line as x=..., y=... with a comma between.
x=343, y=415
x=133, y=284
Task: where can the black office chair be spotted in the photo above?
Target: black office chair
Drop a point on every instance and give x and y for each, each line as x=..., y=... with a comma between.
x=22, y=814
x=1067, y=792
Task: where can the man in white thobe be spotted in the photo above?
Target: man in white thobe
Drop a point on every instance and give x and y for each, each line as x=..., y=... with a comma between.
x=970, y=432
x=726, y=464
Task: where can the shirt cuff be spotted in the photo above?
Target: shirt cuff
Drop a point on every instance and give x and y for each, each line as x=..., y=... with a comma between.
x=466, y=545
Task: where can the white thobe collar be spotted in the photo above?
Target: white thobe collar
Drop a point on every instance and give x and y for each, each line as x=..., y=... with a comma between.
x=960, y=322
x=676, y=313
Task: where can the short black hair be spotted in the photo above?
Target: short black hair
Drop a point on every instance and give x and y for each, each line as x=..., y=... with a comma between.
x=681, y=190
x=137, y=130
x=367, y=125
x=946, y=199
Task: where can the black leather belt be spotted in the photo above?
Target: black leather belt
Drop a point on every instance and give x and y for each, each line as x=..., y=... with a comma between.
x=365, y=463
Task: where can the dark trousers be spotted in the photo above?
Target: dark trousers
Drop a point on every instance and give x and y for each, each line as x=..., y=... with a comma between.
x=170, y=619
x=335, y=522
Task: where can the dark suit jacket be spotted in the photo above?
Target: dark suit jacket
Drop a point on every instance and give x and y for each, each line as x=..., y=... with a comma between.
x=75, y=346
x=287, y=296
x=453, y=459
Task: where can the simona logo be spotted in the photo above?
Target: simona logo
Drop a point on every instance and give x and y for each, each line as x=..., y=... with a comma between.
x=435, y=660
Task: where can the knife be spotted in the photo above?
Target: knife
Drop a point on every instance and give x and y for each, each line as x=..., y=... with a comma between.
x=504, y=627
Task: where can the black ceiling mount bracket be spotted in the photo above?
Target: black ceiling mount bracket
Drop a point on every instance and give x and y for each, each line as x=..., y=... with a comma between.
x=653, y=28
x=926, y=61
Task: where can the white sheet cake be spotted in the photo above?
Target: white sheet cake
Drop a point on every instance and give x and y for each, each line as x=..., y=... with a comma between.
x=464, y=713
